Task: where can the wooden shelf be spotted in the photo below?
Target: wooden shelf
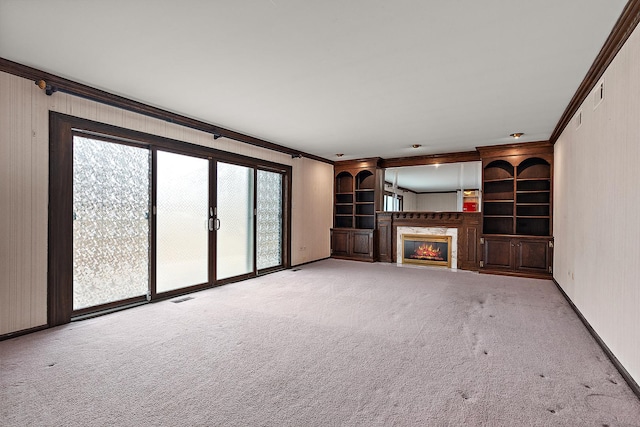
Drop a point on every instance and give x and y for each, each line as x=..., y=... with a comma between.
x=518, y=225
x=499, y=180
x=358, y=193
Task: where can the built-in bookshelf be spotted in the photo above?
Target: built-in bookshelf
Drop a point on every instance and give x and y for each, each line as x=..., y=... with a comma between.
x=358, y=195
x=517, y=209
x=517, y=199
x=344, y=200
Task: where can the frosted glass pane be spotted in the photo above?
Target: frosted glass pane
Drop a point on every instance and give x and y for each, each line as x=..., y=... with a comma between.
x=110, y=227
x=181, y=221
x=234, y=245
x=269, y=220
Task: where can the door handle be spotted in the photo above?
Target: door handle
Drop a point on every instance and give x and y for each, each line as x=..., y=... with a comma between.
x=210, y=224
x=217, y=224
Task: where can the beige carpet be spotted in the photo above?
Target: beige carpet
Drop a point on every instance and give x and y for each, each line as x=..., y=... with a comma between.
x=335, y=343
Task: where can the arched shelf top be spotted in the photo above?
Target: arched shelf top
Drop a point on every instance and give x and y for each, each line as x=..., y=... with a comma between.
x=497, y=170
x=344, y=174
x=365, y=180
x=534, y=168
x=344, y=182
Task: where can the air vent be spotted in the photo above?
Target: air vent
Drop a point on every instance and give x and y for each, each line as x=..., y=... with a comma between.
x=179, y=300
x=296, y=269
x=598, y=94
x=579, y=119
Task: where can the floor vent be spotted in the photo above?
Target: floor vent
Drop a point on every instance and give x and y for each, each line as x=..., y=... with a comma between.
x=296, y=269
x=176, y=301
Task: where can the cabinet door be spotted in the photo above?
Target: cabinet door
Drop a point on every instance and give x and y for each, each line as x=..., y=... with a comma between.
x=498, y=253
x=362, y=244
x=340, y=242
x=468, y=257
x=385, y=253
x=533, y=255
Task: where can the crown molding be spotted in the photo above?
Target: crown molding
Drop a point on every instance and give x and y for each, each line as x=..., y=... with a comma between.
x=617, y=38
x=56, y=83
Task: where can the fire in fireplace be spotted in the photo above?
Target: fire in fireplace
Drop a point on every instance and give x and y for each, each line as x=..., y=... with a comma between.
x=426, y=250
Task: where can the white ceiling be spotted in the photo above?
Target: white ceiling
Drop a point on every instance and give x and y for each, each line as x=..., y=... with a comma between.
x=364, y=77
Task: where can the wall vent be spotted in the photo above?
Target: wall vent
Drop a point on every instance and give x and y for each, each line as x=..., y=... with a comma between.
x=598, y=94
x=579, y=119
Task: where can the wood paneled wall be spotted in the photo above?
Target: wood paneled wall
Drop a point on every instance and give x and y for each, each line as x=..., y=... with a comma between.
x=596, y=206
x=23, y=207
x=311, y=239
x=24, y=145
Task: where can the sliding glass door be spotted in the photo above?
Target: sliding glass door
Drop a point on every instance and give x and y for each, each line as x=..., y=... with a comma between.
x=135, y=218
x=182, y=221
x=111, y=203
x=269, y=231
x=234, y=221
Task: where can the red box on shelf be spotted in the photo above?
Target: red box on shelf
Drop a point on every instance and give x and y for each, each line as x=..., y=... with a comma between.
x=470, y=207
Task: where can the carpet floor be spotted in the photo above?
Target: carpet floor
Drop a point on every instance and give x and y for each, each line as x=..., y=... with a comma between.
x=335, y=343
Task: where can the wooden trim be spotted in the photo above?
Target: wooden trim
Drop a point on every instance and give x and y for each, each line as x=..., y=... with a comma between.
x=617, y=38
x=109, y=307
x=133, y=137
x=518, y=149
x=287, y=220
x=370, y=163
x=625, y=374
x=309, y=262
x=22, y=332
x=430, y=159
x=513, y=273
x=60, y=259
x=60, y=84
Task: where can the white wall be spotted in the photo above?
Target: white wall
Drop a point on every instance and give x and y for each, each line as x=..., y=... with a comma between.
x=596, y=209
x=437, y=202
x=24, y=142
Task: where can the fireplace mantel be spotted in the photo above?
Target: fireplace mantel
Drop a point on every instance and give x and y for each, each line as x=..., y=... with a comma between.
x=467, y=223
x=455, y=217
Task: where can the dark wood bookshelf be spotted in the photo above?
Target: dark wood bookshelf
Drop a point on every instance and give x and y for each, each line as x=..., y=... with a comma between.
x=517, y=208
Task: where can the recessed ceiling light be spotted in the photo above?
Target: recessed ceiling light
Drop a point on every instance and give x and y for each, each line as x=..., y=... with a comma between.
x=516, y=135
x=416, y=145
x=339, y=154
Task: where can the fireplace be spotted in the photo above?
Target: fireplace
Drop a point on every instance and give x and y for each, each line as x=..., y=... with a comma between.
x=426, y=250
